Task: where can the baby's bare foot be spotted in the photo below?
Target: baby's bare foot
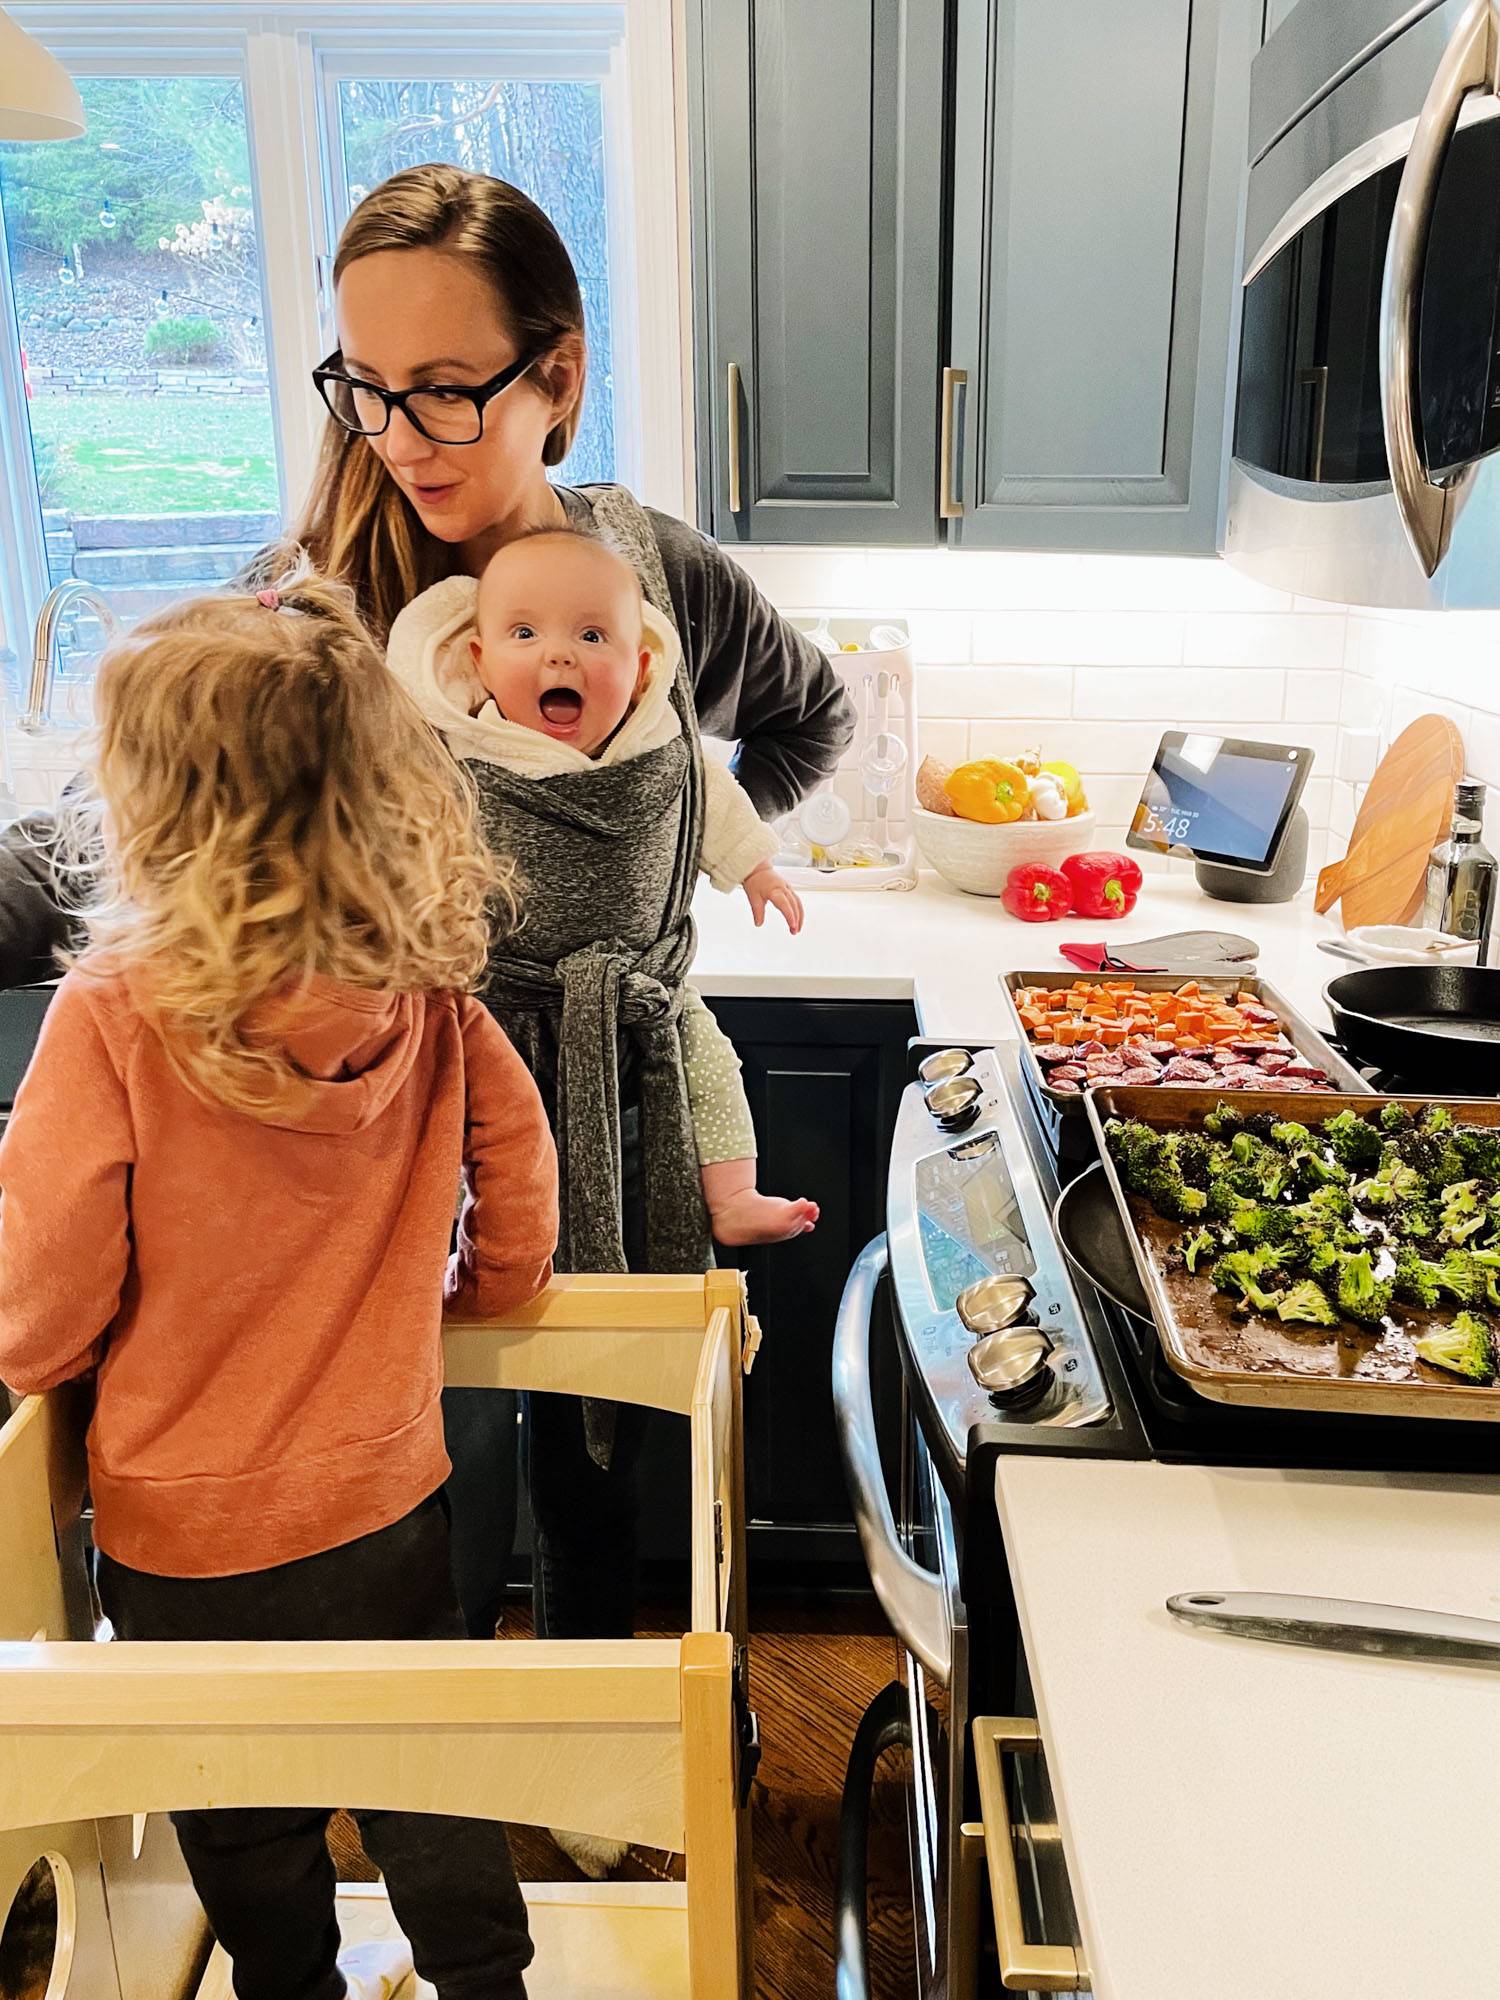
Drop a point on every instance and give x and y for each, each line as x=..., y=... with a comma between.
x=752, y=1217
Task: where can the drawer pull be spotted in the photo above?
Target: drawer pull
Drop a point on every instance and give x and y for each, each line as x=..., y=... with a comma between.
x=1024, y=1967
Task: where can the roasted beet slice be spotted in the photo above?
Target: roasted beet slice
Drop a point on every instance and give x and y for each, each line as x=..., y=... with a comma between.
x=1140, y=1077
x=1047, y=1052
x=1309, y=1072
x=1187, y=1069
x=1069, y=1073
x=1066, y=1087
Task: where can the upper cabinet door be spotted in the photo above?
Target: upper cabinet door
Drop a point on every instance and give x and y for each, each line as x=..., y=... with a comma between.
x=818, y=220
x=1099, y=152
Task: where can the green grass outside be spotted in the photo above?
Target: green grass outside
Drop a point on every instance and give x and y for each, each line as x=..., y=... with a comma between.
x=137, y=454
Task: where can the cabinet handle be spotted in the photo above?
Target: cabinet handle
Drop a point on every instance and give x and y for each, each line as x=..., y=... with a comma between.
x=950, y=506
x=1024, y=1967
x=1470, y=62
x=735, y=495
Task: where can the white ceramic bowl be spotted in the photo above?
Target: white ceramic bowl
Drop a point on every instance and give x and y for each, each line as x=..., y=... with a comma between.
x=978, y=859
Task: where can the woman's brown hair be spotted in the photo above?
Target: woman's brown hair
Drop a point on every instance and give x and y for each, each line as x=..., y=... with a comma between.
x=358, y=526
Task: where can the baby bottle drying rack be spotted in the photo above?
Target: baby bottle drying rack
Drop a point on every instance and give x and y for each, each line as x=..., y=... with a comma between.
x=855, y=830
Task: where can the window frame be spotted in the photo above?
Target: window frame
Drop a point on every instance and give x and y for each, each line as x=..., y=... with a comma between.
x=289, y=59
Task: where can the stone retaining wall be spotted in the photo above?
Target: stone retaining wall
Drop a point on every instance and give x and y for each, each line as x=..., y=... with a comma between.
x=188, y=382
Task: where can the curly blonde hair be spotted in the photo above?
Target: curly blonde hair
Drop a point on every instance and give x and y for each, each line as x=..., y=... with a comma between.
x=268, y=805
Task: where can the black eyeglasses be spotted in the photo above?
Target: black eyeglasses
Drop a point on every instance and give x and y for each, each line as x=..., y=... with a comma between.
x=445, y=413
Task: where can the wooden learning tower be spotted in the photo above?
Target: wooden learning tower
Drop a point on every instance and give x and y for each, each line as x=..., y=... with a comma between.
x=642, y=1740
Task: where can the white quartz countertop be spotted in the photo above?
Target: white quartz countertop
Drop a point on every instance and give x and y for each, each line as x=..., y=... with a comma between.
x=1245, y=1821
x=949, y=951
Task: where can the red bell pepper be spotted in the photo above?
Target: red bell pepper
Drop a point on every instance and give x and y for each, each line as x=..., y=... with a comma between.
x=1036, y=894
x=1103, y=885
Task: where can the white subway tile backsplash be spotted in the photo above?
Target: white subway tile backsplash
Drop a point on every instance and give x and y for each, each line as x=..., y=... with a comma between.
x=1080, y=638
x=1173, y=696
x=1091, y=657
x=1313, y=696
x=1482, y=743
x=947, y=741
x=810, y=579
x=1255, y=640
x=1105, y=748
x=1358, y=754
x=940, y=636
x=989, y=691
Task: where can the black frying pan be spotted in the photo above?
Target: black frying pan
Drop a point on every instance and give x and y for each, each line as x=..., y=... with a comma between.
x=1087, y=1224
x=1436, y=1026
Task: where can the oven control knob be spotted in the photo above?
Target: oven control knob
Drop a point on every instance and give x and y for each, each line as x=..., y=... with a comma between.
x=943, y=1063
x=954, y=1102
x=1012, y=1366
x=994, y=1303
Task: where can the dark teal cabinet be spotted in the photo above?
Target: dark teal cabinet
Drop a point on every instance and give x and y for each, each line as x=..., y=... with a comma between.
x=818, y=130
x=966, y=270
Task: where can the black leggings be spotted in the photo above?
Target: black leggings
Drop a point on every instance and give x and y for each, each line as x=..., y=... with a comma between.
x=264, y=1875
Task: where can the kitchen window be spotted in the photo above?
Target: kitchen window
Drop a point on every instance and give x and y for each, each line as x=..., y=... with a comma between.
x=164, y=279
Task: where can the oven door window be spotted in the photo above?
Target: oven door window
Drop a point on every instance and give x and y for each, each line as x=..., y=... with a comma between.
x=1309, y=388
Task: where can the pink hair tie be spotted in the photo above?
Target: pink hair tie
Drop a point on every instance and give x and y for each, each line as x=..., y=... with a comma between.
x=271, y=599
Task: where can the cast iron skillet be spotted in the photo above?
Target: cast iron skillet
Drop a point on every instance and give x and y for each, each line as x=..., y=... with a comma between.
x=1436, y=1026
x=1088, y=1226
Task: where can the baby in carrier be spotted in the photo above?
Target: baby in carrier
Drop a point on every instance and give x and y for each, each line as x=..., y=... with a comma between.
x=558, y=665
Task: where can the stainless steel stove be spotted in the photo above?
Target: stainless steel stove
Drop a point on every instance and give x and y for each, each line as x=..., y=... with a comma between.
x=1005, y=1349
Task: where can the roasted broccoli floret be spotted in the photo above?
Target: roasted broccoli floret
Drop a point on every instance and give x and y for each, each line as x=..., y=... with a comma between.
x=1465, y=1348
x=1261, y=1123
x=1395, y=1118
x=1324, y=1257
x=1135, y=1148
x=1273, y=1174
x=1389, y=1187
x=1262, y=1222
x=1223, y=1120
x=1333, y=1203
x=1463, y=1277
x=1415, y=1280
x=1226, y=1197
x=1436, y=1118
x=1291, y=1135
x=1312, y=1170
x=1196, y=1246
x=1477, y=1148
x=1306, y=1303
x=1431, y=1154
x=1355, y=1143
x=1360, y=1294
x=1465, y=1211
x=1417, y=1221
x=1245, y=1148
x=1238, y=1273
x=1170, y=1195
x=1194, y=1157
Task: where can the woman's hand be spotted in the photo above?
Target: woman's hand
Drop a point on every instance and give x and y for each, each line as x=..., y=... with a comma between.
x=763, y=885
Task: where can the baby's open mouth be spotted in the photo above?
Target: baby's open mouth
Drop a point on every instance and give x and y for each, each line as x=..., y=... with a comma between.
x=561, y=704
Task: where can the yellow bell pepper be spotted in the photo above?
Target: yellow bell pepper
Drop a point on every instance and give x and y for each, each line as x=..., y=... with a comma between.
x=988, y=791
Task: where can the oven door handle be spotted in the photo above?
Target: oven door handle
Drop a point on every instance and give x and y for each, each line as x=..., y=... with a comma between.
x=911, y=1597
x=1428, y=509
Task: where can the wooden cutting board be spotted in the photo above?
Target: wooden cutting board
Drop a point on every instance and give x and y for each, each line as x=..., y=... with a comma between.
x=1407, y=809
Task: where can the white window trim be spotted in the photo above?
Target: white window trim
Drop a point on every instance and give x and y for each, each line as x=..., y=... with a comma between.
x=278, y=52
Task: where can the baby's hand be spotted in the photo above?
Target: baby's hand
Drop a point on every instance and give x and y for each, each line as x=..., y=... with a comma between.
x=763, y=885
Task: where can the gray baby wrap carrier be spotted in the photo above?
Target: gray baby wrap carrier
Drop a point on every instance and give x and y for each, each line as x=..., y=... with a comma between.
x=590, y=988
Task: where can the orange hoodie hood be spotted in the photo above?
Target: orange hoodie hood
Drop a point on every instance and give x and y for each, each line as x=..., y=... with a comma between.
x=354, y=1050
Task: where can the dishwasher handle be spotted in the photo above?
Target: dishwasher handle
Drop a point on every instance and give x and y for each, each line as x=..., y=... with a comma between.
x=911, y=1597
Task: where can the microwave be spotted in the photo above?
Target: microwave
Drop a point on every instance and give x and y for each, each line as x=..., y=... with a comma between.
x=1367, y=410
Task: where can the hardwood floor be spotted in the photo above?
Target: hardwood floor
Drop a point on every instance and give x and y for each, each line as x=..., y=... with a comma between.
x=814, y=1671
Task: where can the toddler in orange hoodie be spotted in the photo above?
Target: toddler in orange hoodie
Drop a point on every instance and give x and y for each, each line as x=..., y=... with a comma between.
x=227, y=1188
